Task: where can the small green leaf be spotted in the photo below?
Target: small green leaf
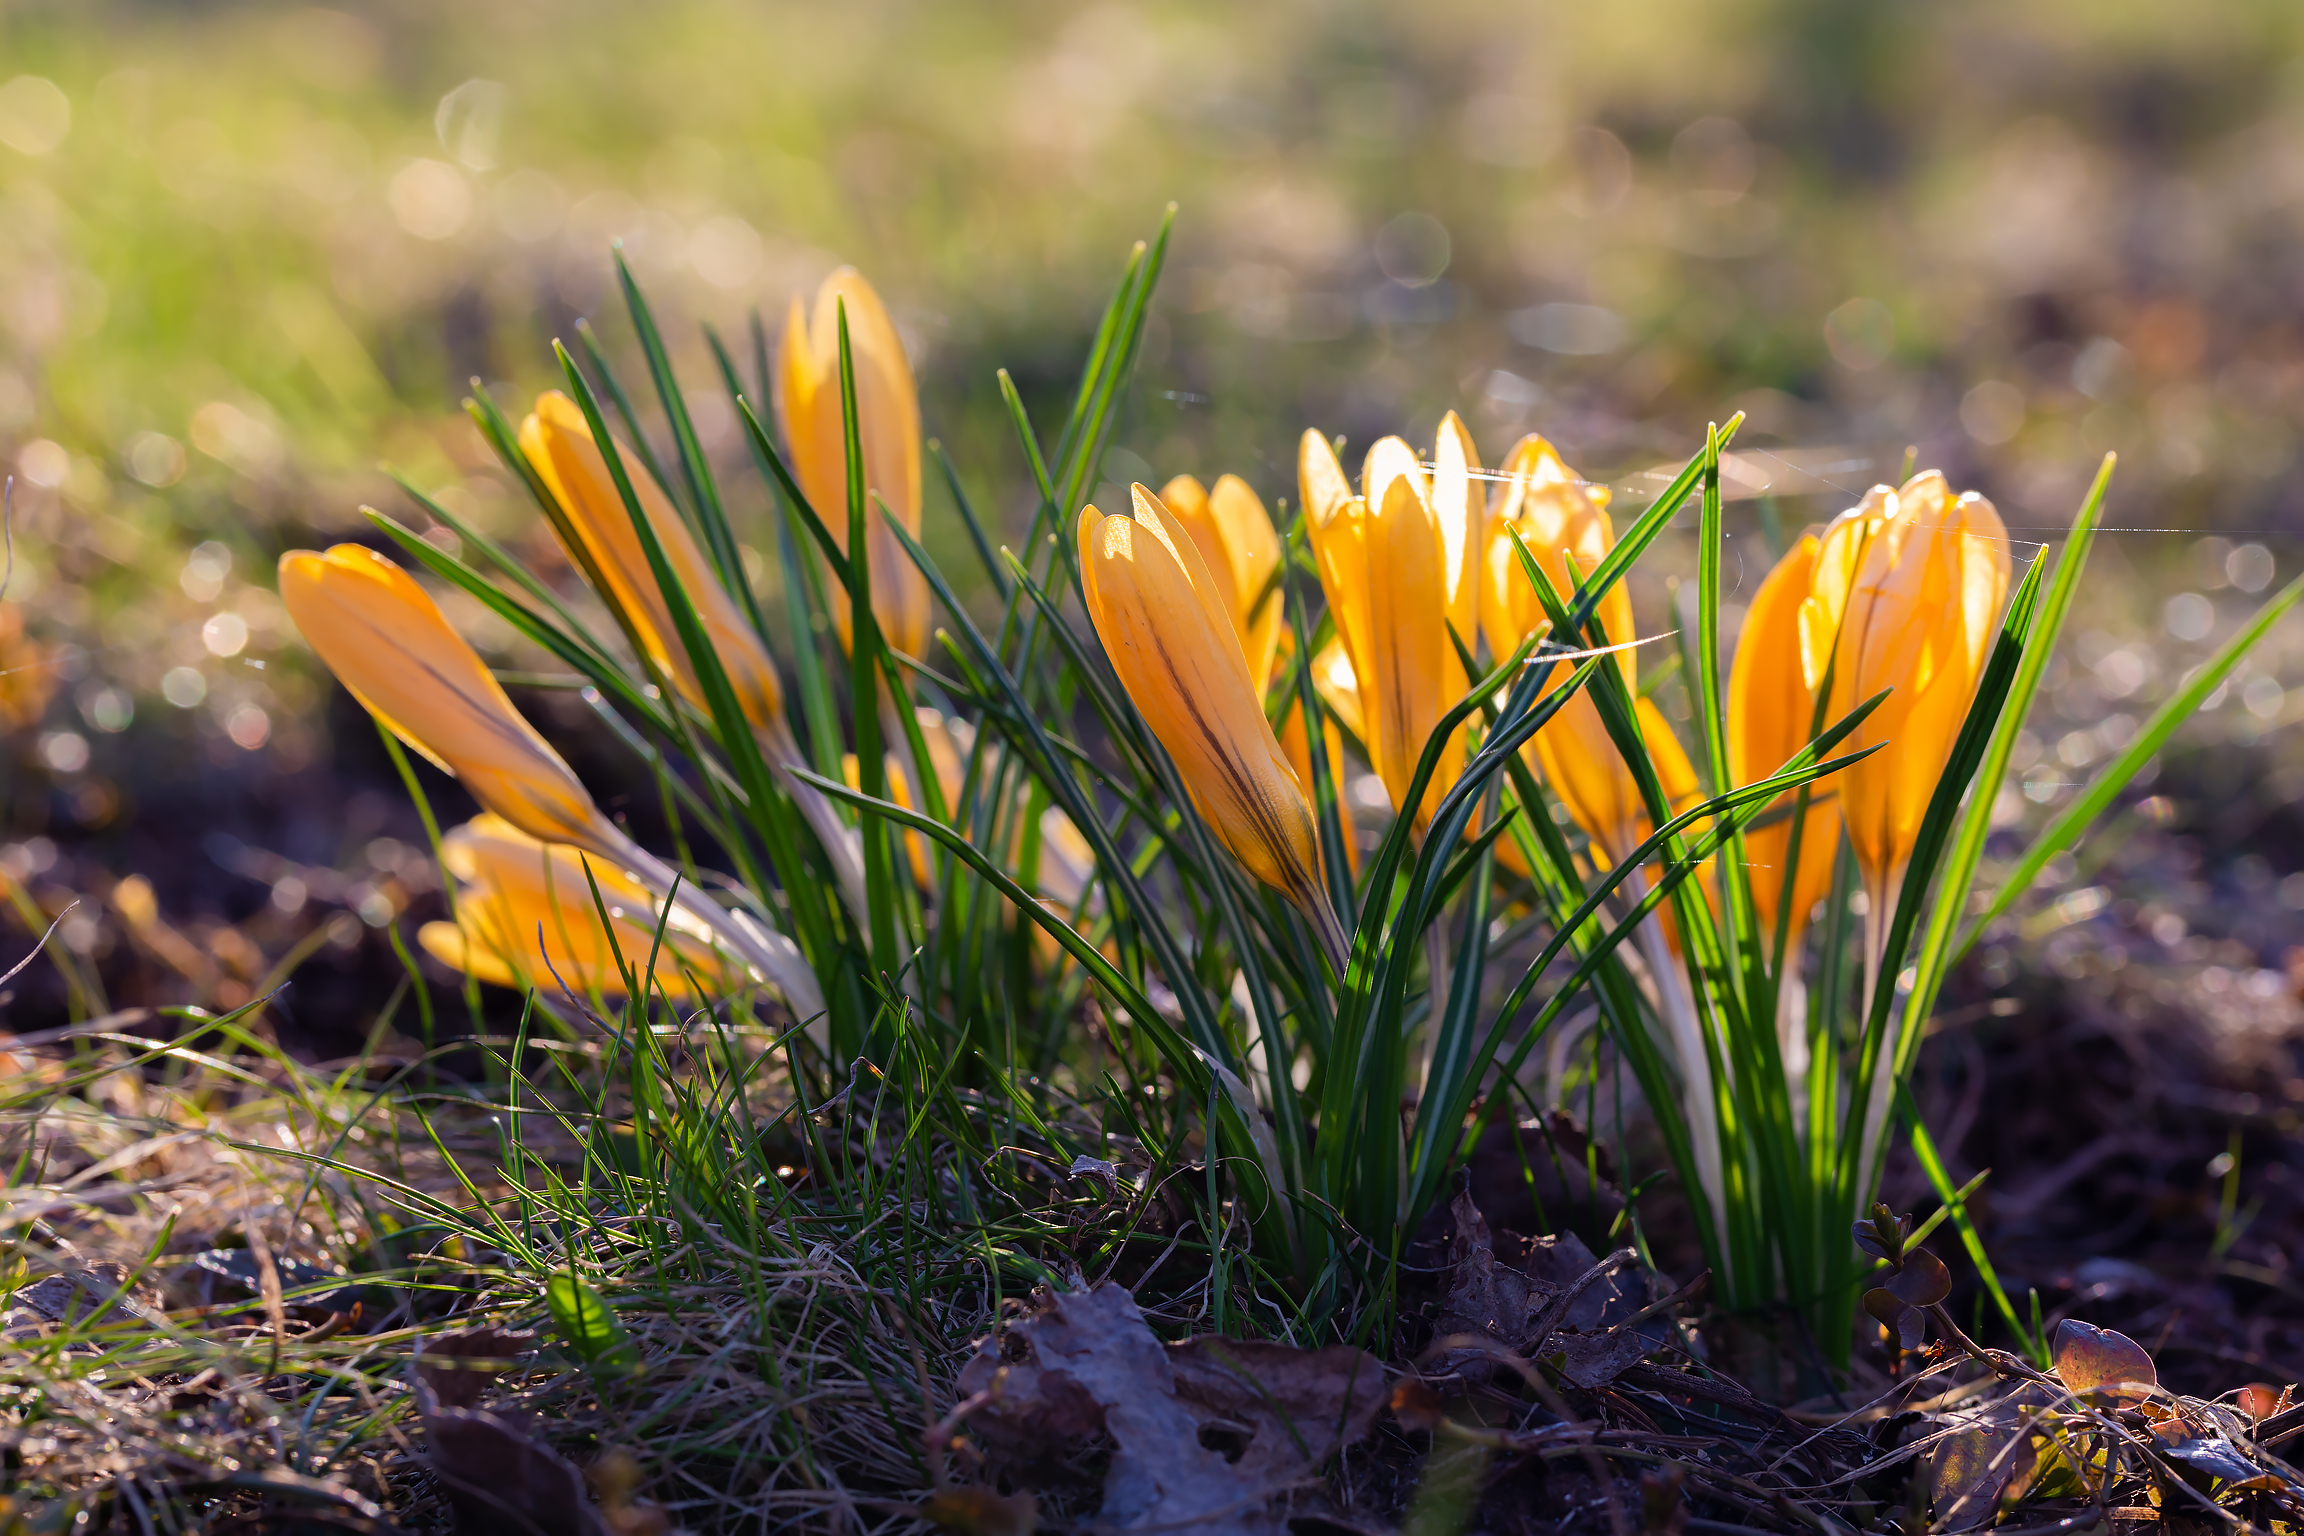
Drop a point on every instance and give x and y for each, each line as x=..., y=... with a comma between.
x=588, y=1326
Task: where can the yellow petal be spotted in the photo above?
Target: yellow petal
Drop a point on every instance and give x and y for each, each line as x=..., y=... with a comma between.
x=389, y=644
x=1319, y=477
x=1771, y=710
x=1237, y=542
x=1919, y=622
x=558, y=442
x=888, y=428
x=1568, y=533
x=1390, y=459
x=1413, y=674
x=1460, y=508
x=1173, y=648
x=527, y=916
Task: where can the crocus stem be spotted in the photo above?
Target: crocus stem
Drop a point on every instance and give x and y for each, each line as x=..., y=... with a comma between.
x=1678, y=1008
x=1335, y=943
x=772, y=954
x=1792, y=1034
x=1879, y=912
x=843, y=845
x=841, y=842
x=1436, y=959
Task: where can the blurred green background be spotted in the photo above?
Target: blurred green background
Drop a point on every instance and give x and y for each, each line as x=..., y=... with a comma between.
x=251, y=253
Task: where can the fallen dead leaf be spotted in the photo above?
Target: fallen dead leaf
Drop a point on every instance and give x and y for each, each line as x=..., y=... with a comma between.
x=459, y=1366
x=1207, y=1433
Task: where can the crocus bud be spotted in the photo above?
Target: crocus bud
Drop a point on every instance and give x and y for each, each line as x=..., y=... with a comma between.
x=1906, y=593
x=1771, y=715
x=558, y=442
x=1565, y=526
x=388, y=642
x=1163, y=621
x=1241, y=549
x=525, y=915
x=1383, y=565
x=888, y=428
x=390, y=645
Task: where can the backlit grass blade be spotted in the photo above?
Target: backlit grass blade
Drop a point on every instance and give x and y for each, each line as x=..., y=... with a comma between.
x=768, y=812
x=550, y=636
x=2041, y=623
x=2105, y=786
x=865, y=649
x=1119, y=873
x=710, y=516
x=803, y=599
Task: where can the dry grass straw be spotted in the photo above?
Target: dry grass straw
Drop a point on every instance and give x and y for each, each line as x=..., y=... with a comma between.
x=780, y=1385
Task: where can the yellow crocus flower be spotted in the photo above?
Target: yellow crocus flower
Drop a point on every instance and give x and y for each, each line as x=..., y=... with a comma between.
x=1297, y=749
x=1164, y=624
x=1771, y=714
x=558, y=443
x=1907, y=592
x=1566, y=528
x=1239, y=545
x=389, y=644
x=888, y=428
x=525, y=915
x=392, y=648
x=1393, y=581
x=1561, y=520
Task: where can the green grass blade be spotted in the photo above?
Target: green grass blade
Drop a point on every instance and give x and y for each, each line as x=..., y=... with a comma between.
x=2113, y=777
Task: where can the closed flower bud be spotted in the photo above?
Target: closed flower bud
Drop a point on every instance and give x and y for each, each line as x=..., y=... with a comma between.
x=389, y=644
x=1565, y=526
x=1164, y=624
x=888, y=429
x=1241, y=549
x=525, y=915
x=558, y=442
x=387, y=641
x=1772, y=715
x=1396, y=582
x=1906, y=595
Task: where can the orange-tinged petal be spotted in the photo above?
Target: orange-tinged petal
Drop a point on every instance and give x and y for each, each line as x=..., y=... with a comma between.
x=1294, y=746
x=1919, y=622
x=526, y=911
x=1241, y=548
x=558, y=442
x=1172, y=645
x=1838, y=555
x=1460, y=508
x=1771, y=712
x=389, y=644
x=888, y=428
x=1580, y=761
x=1339, y=687
x=1566, y=529
x=1413, y=673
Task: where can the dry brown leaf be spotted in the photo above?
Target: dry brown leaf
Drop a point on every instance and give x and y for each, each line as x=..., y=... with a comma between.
x=503, y=1481
x=1205, y=1433
x=1975, y=1469
x=459, y=1366
x=981, y=1512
